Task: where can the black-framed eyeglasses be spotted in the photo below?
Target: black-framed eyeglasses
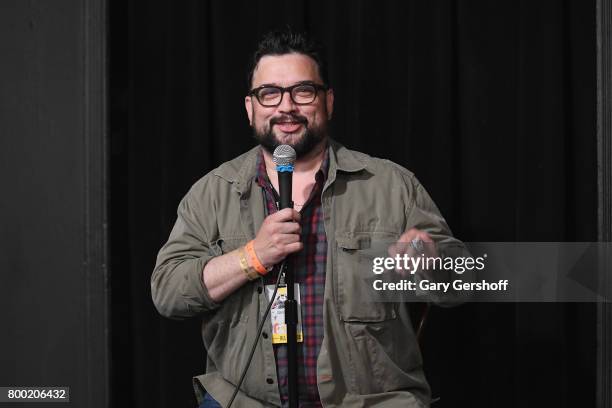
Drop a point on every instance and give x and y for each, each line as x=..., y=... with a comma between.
x=301, y=94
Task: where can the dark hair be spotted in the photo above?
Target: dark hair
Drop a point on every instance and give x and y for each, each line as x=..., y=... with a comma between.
x=286, y=41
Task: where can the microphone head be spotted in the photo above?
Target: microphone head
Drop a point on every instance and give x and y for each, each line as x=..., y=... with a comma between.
x=284, y=155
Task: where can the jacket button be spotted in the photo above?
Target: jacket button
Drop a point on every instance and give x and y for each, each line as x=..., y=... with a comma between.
x=259, y=289
x=264, y=335
x=269, y=381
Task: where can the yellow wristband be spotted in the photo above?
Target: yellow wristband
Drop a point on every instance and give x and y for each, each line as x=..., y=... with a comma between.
x=244, y=264
x=262, y=270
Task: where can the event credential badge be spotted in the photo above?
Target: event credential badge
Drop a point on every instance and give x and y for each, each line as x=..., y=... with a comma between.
x=277, y=313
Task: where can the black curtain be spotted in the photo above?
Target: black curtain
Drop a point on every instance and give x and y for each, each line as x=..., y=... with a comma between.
x=491, y=104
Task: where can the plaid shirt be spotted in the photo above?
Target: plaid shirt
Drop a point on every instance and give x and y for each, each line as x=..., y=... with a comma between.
x=309, y=269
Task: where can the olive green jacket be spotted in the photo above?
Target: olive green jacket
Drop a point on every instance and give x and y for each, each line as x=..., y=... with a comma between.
x=369, y=355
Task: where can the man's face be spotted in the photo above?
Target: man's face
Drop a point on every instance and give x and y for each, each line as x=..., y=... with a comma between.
x=300, y=126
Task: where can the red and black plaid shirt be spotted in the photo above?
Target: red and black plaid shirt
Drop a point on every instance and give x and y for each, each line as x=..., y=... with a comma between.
x=309, y=270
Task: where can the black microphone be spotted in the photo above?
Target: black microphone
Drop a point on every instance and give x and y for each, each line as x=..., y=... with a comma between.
x=284, y=158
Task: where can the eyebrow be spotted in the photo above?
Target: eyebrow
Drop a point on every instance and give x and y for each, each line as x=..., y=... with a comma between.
x=305, y=82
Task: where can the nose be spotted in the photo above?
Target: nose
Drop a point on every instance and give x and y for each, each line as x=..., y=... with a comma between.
x=286, y=103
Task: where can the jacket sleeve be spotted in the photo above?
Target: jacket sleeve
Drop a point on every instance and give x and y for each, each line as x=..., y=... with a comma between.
x=424, y=215
x=177, y=287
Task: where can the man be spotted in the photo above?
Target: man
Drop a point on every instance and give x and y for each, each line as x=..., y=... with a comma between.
x=219, y=259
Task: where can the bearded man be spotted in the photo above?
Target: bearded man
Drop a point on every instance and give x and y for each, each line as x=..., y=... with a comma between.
x=229, y=235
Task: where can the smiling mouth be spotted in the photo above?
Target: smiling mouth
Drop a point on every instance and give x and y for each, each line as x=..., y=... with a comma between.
x=289, y=127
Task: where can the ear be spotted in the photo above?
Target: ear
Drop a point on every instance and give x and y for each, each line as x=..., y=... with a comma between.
x=329, y=101
x=248, y=105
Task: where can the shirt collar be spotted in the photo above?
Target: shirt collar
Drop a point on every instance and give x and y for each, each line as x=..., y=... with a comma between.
x=261, y=175
x=243, y=170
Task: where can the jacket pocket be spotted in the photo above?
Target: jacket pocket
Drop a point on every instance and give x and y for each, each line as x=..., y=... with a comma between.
x=385, y=357
x=355, y=296
x=225, y=343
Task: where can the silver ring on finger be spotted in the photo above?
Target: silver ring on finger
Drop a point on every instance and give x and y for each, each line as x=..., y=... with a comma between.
x=417, y=245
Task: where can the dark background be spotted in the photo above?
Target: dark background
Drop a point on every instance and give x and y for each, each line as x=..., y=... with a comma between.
x=53, y=248
x=491, y=104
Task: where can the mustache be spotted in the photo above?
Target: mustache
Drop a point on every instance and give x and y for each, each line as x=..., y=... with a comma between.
x=289, y=118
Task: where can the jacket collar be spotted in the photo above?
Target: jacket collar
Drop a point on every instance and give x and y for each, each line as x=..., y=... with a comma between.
x=241, y=171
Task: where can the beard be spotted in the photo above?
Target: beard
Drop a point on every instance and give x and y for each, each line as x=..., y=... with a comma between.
x=312, y=136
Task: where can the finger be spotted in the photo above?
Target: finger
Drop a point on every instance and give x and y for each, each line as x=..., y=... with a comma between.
x=424, y=236
x=288, y=228
x=284, y=239
x=413, y=234
x=297, y=216
x=401, y=248
x=286, y=214
x=427, y=244
x=294, y=247
x=409, y=235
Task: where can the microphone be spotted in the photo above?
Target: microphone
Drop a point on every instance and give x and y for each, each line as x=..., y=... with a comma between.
x=284, y=158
